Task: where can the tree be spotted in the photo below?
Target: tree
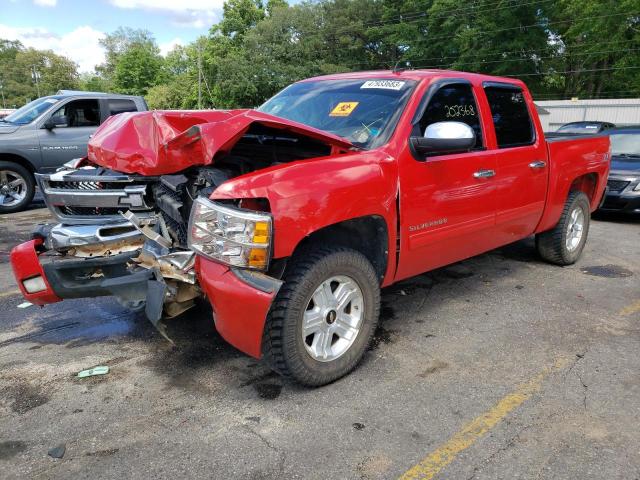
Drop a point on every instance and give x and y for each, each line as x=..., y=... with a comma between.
x=55, y=72
x=137, y=69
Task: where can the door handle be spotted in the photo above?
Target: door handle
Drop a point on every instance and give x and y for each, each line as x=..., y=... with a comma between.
x=484, y=174
x=538, y=164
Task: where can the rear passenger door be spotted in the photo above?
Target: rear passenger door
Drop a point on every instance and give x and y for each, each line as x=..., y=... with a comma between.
x=522, y=170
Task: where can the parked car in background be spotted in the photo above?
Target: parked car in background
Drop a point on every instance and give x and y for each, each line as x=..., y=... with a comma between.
x=290, y=218
x=48, y=132
x=6, y=111
x=623, y=186
x=587, y=128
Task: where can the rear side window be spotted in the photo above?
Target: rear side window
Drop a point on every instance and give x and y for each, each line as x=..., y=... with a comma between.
x=119, y=105
x=510, y=116
x=453, y=103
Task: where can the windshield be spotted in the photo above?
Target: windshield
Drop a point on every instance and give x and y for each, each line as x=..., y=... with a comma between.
x=625, y=144
x=31, y=111
x=362, y=111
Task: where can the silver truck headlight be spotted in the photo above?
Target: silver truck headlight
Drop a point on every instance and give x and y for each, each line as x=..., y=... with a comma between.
x=230, y=235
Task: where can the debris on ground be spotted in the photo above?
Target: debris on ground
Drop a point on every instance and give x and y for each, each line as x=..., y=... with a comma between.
x=57, y=451
x=99, y=370
x=25, y=304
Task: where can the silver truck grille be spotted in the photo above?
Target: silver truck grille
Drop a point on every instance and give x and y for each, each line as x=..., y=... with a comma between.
x=90, y=196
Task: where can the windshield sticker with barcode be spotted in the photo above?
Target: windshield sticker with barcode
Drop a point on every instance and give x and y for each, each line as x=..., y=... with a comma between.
x=343, y=109
x=384, y=84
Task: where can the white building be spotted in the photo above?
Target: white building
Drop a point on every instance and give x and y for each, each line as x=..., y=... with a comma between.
x=624, y=111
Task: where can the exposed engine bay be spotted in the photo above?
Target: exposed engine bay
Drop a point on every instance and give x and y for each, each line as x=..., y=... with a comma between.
x=125, y=234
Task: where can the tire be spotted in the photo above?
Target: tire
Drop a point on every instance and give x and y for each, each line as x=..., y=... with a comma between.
x=341, y=338
x=563, y=244
x=17, y=187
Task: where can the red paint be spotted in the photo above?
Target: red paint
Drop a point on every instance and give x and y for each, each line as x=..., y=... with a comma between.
x=159, y=143
x=239, y=310
x=446, y=215
x=25, y=264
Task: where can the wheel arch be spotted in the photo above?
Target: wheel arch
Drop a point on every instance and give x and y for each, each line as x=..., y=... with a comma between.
x=368, y=235
x=20, y=160
x=587, y=184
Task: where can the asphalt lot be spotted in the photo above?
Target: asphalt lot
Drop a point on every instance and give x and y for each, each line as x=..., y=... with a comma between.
x=499, y=367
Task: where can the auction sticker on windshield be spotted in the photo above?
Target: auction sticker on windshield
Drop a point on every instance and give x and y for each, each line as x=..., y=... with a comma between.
x=343, y=109
x=385, y=84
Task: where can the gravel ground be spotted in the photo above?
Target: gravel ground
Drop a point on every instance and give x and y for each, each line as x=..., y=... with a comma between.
x=545, y=357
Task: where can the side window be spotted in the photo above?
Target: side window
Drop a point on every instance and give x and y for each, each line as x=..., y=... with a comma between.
x=80, y=113
x=453, y=103
x=510, y=116
x=120, y=105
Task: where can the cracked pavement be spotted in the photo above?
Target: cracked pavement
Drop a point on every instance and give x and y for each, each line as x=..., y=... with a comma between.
x=451, y=344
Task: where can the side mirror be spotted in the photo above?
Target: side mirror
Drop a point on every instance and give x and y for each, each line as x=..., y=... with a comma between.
x=444, y=137
x=55, y=122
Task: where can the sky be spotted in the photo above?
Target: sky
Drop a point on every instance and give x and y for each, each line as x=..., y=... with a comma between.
x=74, y=27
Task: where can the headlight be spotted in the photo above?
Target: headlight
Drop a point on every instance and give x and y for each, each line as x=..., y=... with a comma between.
x=230, y=235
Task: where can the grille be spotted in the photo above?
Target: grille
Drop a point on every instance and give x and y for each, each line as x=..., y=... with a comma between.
x=89, y=211
x=617, y=185
x=65, y=185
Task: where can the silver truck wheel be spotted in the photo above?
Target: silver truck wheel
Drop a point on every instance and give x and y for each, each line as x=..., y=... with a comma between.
x=17, y=187
x=564, y=243
x=331, y=322
x=324, y=316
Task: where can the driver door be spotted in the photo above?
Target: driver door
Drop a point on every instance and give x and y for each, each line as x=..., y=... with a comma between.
x=447, y=201
x=61, y=144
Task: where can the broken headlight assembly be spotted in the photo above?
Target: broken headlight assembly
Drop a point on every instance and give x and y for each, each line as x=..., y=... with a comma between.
x=229, y=235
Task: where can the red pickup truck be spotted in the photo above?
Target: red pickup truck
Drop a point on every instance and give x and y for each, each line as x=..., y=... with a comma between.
x=291, y=217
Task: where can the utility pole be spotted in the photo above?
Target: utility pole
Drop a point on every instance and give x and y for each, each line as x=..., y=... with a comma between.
x=199, y=79
x=4, y=104
x=35, y=75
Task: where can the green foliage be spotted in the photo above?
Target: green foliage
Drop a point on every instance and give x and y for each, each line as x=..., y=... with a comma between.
x=561, y=48
x=56, y=72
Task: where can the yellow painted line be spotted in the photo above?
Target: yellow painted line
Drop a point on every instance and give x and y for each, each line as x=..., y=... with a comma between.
x=629, y=309
x=473, y=431
x=9, y=293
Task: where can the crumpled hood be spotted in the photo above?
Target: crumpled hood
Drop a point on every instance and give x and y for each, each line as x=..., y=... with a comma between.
x=165, y=142
x=8, y=128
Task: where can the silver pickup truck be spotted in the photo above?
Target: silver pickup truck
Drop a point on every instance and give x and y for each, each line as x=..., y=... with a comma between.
x=48, y=132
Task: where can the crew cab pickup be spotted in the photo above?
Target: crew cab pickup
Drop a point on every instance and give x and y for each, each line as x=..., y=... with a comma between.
x=48, y=132
x=289, y=218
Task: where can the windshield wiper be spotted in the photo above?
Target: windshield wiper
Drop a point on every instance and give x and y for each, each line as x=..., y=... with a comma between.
x=627, y=155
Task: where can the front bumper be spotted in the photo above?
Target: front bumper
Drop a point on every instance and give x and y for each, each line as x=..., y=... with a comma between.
x=621, y=195
x=240, y=299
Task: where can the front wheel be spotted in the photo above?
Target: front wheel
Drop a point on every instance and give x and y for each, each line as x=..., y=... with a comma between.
x=324, y=316
x=17, y=187
x=564, y=243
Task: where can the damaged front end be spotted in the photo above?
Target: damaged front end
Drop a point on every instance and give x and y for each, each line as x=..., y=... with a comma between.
x=119, y=235
x=127, y=232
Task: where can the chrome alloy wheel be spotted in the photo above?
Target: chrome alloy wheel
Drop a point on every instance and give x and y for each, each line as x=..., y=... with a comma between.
x=575, y=229
x=332, y=319
x=13, y=188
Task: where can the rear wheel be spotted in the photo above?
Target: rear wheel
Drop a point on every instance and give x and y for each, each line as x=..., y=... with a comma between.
x=17, y=187
x=564, y=243
x=323, y=317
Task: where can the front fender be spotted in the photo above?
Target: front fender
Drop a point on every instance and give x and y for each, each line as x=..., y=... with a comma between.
x=307, y=195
